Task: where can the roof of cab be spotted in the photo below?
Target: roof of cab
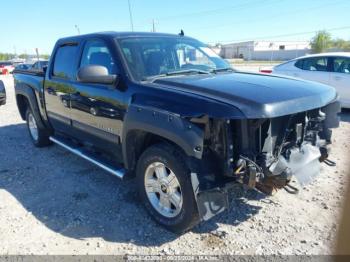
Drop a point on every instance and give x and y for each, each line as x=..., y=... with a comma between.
x=116, y=35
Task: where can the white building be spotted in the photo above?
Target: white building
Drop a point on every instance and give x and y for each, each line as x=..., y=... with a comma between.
x=265, y=50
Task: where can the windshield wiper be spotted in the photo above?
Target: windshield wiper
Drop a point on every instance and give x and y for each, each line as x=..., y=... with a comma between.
x=187, y=71
x=225, y=69
x=172, y=73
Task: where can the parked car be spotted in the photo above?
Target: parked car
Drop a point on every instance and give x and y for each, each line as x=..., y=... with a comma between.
x=327, y=68
x=23, y=67
x=2, y=94
x=6, y=67
x=39, y=65
x=179, y=119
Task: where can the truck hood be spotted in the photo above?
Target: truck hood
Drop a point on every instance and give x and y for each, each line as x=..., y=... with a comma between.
x=255, y=95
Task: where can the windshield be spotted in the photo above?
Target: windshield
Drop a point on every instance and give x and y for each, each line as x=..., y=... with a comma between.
x=149, y=57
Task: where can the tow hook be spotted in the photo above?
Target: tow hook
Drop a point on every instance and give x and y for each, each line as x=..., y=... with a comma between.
x=291, y=189
x=324, y=156
x=329, y=162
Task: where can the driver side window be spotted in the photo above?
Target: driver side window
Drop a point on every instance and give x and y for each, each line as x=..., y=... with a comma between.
x=97, y=53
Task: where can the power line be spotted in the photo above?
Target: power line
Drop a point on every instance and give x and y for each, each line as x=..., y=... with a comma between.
x=283, y=35
x=264, y=20
x=200, y=13
x=215, y=11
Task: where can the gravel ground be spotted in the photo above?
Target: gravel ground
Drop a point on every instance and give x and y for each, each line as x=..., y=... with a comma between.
x=52, y=202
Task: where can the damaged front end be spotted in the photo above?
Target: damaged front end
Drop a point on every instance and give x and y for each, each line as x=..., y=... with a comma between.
x=261, y=153
x=270, y=151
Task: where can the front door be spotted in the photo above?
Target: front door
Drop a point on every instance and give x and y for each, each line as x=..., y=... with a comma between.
x=98, y=109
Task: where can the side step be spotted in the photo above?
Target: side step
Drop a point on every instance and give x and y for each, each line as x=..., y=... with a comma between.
x=79, y=152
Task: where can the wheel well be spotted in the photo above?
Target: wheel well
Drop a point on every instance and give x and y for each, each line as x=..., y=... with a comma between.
x=23, y=104
x=138, y=141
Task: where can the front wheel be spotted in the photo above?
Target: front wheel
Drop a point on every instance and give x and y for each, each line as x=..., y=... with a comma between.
x=165, y=187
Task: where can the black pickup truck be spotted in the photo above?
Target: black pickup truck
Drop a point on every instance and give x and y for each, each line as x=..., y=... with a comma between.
x=168, y=111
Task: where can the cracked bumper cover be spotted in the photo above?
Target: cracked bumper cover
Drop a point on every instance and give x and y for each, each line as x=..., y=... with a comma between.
x=209, y=202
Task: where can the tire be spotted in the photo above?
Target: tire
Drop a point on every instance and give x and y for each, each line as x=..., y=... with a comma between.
x=37, y=133
x=182, y=213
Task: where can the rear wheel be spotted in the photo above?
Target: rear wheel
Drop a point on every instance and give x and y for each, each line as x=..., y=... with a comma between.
x=37, y=134
x=165, y=187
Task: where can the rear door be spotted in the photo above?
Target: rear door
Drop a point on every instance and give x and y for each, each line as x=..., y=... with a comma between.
x=340, y=78
x=59, y=86
x=314, y=69
x=98, y=109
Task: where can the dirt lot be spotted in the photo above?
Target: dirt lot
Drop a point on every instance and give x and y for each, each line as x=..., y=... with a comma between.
x=52, y=202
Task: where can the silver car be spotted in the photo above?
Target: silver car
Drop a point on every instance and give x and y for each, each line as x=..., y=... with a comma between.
x=329, y=68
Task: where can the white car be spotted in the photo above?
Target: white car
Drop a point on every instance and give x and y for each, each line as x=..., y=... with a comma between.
x=329, y=68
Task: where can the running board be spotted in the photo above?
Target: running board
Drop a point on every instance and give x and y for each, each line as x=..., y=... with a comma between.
x=113, y=170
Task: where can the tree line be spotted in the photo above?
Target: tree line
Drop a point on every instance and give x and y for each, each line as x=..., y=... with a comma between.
x=9, y=56
x=323, y=42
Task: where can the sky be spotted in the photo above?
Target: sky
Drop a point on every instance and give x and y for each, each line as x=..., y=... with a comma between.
x=26, y=25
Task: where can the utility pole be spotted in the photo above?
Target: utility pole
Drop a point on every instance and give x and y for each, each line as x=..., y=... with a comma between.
x=271, y=46
x=37, y=53
x=153, y=26
x=78, y=30
x=130, y=14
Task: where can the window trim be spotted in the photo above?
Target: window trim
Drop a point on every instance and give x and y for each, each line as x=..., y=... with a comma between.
x=52, y=67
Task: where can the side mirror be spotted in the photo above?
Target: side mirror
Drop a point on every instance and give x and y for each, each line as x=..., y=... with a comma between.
x=96, y=74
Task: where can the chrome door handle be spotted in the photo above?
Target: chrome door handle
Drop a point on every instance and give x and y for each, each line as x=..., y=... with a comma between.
x=337, y=78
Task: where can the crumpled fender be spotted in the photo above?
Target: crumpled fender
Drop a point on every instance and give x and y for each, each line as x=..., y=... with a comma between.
x=164, y=124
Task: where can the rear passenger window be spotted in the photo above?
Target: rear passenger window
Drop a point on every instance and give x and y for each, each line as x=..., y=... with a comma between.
x=64, y=61
x=315, y=64
x=341, y=65
x=97, y=53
